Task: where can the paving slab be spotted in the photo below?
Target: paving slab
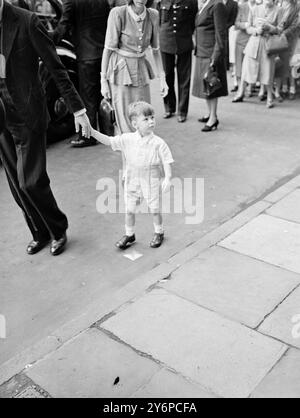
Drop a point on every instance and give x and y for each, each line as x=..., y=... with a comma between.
x=284, y=322
x=234, y=285
x=166, y=384
x=224, y=357
x=92, y=365
x=31, y=392
x=273, y=240
x=283, y=381
x=287, y=208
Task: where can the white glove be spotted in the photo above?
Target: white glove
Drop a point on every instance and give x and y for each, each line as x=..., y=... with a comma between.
x=83, y=122
x=164, y=89
x=105, y=89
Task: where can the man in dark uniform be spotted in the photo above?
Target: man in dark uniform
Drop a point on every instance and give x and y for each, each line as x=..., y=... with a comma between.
x=177, y=24
x=87, y=21
x=24, y=41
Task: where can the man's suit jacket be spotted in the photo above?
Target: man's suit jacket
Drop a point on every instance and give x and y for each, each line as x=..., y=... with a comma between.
x=87, y=21
x=211, y=31
x=232, y=8
x=177, y=24
x=25, y=41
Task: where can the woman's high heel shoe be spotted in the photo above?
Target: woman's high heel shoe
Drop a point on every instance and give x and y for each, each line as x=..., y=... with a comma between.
x=203, y=119
x=213, y=127
x=238, y=99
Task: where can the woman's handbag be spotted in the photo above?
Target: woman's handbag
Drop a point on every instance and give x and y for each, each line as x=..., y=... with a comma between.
x=212, y=82
x=276, y=44
x=107, y=118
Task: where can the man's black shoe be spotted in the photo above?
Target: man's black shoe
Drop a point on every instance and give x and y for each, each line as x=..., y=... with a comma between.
x=35, y=246
x=125, y=242
x=58, y=245
x=83, y=142
x=168, y=115
x=181, y=118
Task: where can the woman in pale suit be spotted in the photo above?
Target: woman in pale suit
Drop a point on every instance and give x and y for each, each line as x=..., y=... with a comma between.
x=242, y=36
x=211, y=36
x=126, y=71
x=257, y=65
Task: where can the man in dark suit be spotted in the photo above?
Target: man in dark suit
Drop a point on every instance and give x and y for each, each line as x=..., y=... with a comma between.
x=87, y=21
x=23, y=143
x=177, y=24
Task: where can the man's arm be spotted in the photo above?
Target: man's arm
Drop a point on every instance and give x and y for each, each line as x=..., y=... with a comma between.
x=66, y=22
x=45, y=49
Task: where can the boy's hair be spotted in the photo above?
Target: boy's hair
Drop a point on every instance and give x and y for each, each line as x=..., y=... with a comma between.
x=140, y=108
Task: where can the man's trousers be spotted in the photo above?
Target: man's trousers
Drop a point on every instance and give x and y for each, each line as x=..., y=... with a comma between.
x=23, y=154
x=183, y=63
x=90, y=88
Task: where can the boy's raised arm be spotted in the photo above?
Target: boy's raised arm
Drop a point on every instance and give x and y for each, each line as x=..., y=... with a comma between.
x=104, y=139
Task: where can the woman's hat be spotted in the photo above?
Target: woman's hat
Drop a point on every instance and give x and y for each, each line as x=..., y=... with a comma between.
x=2, y=116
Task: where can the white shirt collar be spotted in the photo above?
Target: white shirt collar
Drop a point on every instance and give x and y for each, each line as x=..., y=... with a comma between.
x=144, y=138
x=136, y=17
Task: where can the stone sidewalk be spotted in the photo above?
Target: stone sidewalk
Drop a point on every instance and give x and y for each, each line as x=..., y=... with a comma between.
x=219, y=319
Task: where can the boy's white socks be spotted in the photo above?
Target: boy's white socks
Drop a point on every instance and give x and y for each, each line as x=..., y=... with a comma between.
x=159, y=229
x=129, y=230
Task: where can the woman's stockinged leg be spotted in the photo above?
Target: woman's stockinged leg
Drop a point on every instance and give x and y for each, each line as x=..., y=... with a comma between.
x=213, y=112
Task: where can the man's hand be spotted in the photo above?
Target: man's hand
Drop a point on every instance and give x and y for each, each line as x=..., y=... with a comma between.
x=166, y=184
x=83, y=122
x=105, y=89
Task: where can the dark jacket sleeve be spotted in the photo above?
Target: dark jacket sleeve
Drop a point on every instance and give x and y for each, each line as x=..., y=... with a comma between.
x=66, y=22
x=232, y=14
x=45, y=49
x=293, y=29
x=220, y=22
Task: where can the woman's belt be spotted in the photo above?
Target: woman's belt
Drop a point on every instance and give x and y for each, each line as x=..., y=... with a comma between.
x=128, y=54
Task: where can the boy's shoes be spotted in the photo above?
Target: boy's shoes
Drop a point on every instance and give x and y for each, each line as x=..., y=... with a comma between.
x=125, y=242
x=157, y=240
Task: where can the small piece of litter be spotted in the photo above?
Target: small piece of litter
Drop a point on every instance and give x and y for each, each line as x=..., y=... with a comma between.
x=133, y=255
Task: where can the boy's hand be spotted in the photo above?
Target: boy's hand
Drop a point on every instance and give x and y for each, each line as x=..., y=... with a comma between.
x=105, y=89
x=166, y=184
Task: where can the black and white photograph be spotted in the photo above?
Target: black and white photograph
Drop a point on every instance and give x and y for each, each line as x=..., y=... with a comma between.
x=149, y=202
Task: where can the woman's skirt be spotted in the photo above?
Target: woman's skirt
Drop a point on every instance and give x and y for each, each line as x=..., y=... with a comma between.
x=201, y=68
x=232, y=44
x=122, y=97
x=239, y=58
x=261, y=68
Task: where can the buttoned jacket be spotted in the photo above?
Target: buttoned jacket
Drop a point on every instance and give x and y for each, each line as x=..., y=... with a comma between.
x=177, y=24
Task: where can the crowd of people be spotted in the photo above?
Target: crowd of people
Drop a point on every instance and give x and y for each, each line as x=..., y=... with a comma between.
x=121, y=45
x=218, y=32
x=259, y=24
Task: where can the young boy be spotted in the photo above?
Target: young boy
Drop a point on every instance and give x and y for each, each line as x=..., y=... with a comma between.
x=145, y=155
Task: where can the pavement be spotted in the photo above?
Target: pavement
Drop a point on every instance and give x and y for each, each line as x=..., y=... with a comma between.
x=221, y=318
x=213, y=313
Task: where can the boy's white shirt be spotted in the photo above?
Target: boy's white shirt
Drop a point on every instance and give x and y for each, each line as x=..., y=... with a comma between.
x=133, y=143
